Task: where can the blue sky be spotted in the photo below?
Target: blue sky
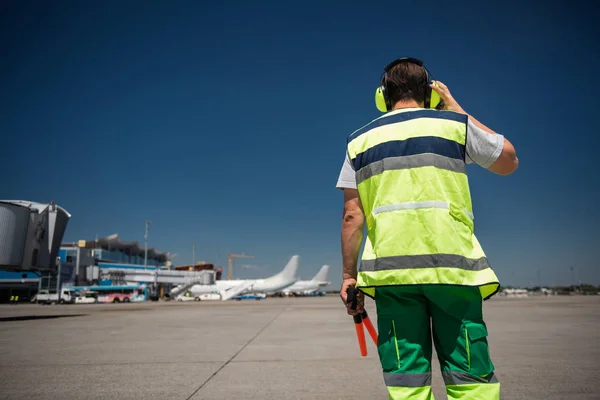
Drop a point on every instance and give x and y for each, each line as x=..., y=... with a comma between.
x=226, y=125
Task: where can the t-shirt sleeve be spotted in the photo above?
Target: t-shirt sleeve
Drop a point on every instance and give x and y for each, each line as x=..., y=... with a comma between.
x=347, y=177
x=483, y=148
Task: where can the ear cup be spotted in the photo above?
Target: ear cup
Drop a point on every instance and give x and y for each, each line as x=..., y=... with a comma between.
x=380, y=100
x=435, y=99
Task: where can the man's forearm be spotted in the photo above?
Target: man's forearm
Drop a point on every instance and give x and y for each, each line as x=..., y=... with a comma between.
x=480, y=125
x=475, y=121
x=352, y=236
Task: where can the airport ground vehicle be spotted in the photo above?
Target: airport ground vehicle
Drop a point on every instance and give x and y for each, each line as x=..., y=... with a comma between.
x=120, y=294
x=210, y=296
x=255, y=296
x=187, y=297
x=46, y=296
x=115, y=293
x=204, y=296
x=87, y=298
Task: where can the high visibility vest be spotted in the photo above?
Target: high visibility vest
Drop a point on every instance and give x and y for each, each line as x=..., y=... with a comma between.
x=412, y=182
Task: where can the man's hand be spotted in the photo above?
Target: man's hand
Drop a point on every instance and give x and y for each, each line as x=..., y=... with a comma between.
x=450, y=103
x=360, y=307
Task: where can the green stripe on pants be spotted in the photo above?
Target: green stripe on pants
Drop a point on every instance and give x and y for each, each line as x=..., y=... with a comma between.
x=404, y=315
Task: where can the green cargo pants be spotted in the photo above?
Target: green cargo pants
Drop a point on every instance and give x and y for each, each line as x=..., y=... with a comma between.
x=407, y=316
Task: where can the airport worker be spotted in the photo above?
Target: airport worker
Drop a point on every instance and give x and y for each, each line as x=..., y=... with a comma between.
x=405, y=178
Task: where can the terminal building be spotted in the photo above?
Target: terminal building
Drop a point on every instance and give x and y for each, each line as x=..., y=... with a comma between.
x=81, y=266
x=110, y=251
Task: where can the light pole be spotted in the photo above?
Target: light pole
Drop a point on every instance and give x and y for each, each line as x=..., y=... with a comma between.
x=146, y=244
x=194, y=255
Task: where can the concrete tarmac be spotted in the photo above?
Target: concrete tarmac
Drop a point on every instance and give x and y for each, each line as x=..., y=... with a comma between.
x=296, y=348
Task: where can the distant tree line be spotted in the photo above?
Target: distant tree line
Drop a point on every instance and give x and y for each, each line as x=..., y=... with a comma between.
x=584, y=288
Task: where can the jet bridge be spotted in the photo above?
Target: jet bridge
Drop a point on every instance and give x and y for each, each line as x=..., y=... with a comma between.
x=205, y=277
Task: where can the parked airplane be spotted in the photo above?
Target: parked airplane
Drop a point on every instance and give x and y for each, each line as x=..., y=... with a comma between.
x=307, y=287
x=229, y=289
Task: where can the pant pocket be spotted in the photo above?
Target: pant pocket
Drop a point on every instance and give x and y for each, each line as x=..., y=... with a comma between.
x=479, y=362
x=387, y=345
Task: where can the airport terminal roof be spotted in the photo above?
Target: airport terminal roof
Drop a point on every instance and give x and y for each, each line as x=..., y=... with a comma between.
x=114, y=242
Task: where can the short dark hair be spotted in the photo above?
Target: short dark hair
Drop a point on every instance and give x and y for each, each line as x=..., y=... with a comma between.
x=406, y=81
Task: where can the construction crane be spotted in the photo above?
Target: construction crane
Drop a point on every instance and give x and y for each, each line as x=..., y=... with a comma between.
x=231, y=257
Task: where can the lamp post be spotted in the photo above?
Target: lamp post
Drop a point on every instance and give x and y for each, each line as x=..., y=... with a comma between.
x=194, y=255
x=146, y=244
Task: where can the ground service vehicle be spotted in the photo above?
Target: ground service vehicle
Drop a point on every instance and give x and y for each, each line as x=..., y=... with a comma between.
x=87, y=298
x=45, y=296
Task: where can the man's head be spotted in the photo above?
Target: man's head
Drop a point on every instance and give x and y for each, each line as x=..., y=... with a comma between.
x=404, y=82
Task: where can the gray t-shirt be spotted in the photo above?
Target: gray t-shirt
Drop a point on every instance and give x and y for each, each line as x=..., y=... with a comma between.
x=483, y=149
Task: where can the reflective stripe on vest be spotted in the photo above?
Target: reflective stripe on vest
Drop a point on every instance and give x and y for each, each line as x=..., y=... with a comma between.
x=411, y=176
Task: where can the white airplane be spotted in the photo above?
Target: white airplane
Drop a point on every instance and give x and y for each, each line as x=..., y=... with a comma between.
x=231, y=288
x=307, y=287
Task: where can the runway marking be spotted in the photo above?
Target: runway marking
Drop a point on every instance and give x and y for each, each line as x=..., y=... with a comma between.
x=239, y=351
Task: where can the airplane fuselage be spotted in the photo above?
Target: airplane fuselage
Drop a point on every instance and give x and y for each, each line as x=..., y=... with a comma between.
x=257, y=286
x=304, y=287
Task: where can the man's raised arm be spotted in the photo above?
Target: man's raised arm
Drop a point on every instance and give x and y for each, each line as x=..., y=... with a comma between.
x=507, y=162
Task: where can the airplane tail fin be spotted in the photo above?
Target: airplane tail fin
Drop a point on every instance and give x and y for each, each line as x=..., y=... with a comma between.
x=321, y=276
x=289, y=272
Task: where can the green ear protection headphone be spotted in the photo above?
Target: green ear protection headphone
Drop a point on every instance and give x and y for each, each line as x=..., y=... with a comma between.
x=382, y=101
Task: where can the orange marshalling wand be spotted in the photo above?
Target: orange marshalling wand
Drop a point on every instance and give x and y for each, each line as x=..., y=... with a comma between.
x=369, y=326
x=360, y=334
x=358, y=322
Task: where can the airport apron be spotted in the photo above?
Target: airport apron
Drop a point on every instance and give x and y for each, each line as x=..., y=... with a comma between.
x=421, y=259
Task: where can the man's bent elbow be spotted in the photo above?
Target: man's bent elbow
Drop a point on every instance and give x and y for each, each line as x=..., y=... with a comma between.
x=505, y=168
x=507, y=163
x=515, y=164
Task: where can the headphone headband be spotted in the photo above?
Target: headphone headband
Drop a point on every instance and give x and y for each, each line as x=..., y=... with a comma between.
x=391, y=65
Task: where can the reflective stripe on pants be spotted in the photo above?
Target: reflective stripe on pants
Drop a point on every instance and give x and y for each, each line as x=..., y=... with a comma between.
x=409, y=386
x=401, y=393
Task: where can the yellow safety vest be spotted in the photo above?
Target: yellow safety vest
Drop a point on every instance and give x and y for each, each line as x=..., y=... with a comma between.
x=411, y=178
